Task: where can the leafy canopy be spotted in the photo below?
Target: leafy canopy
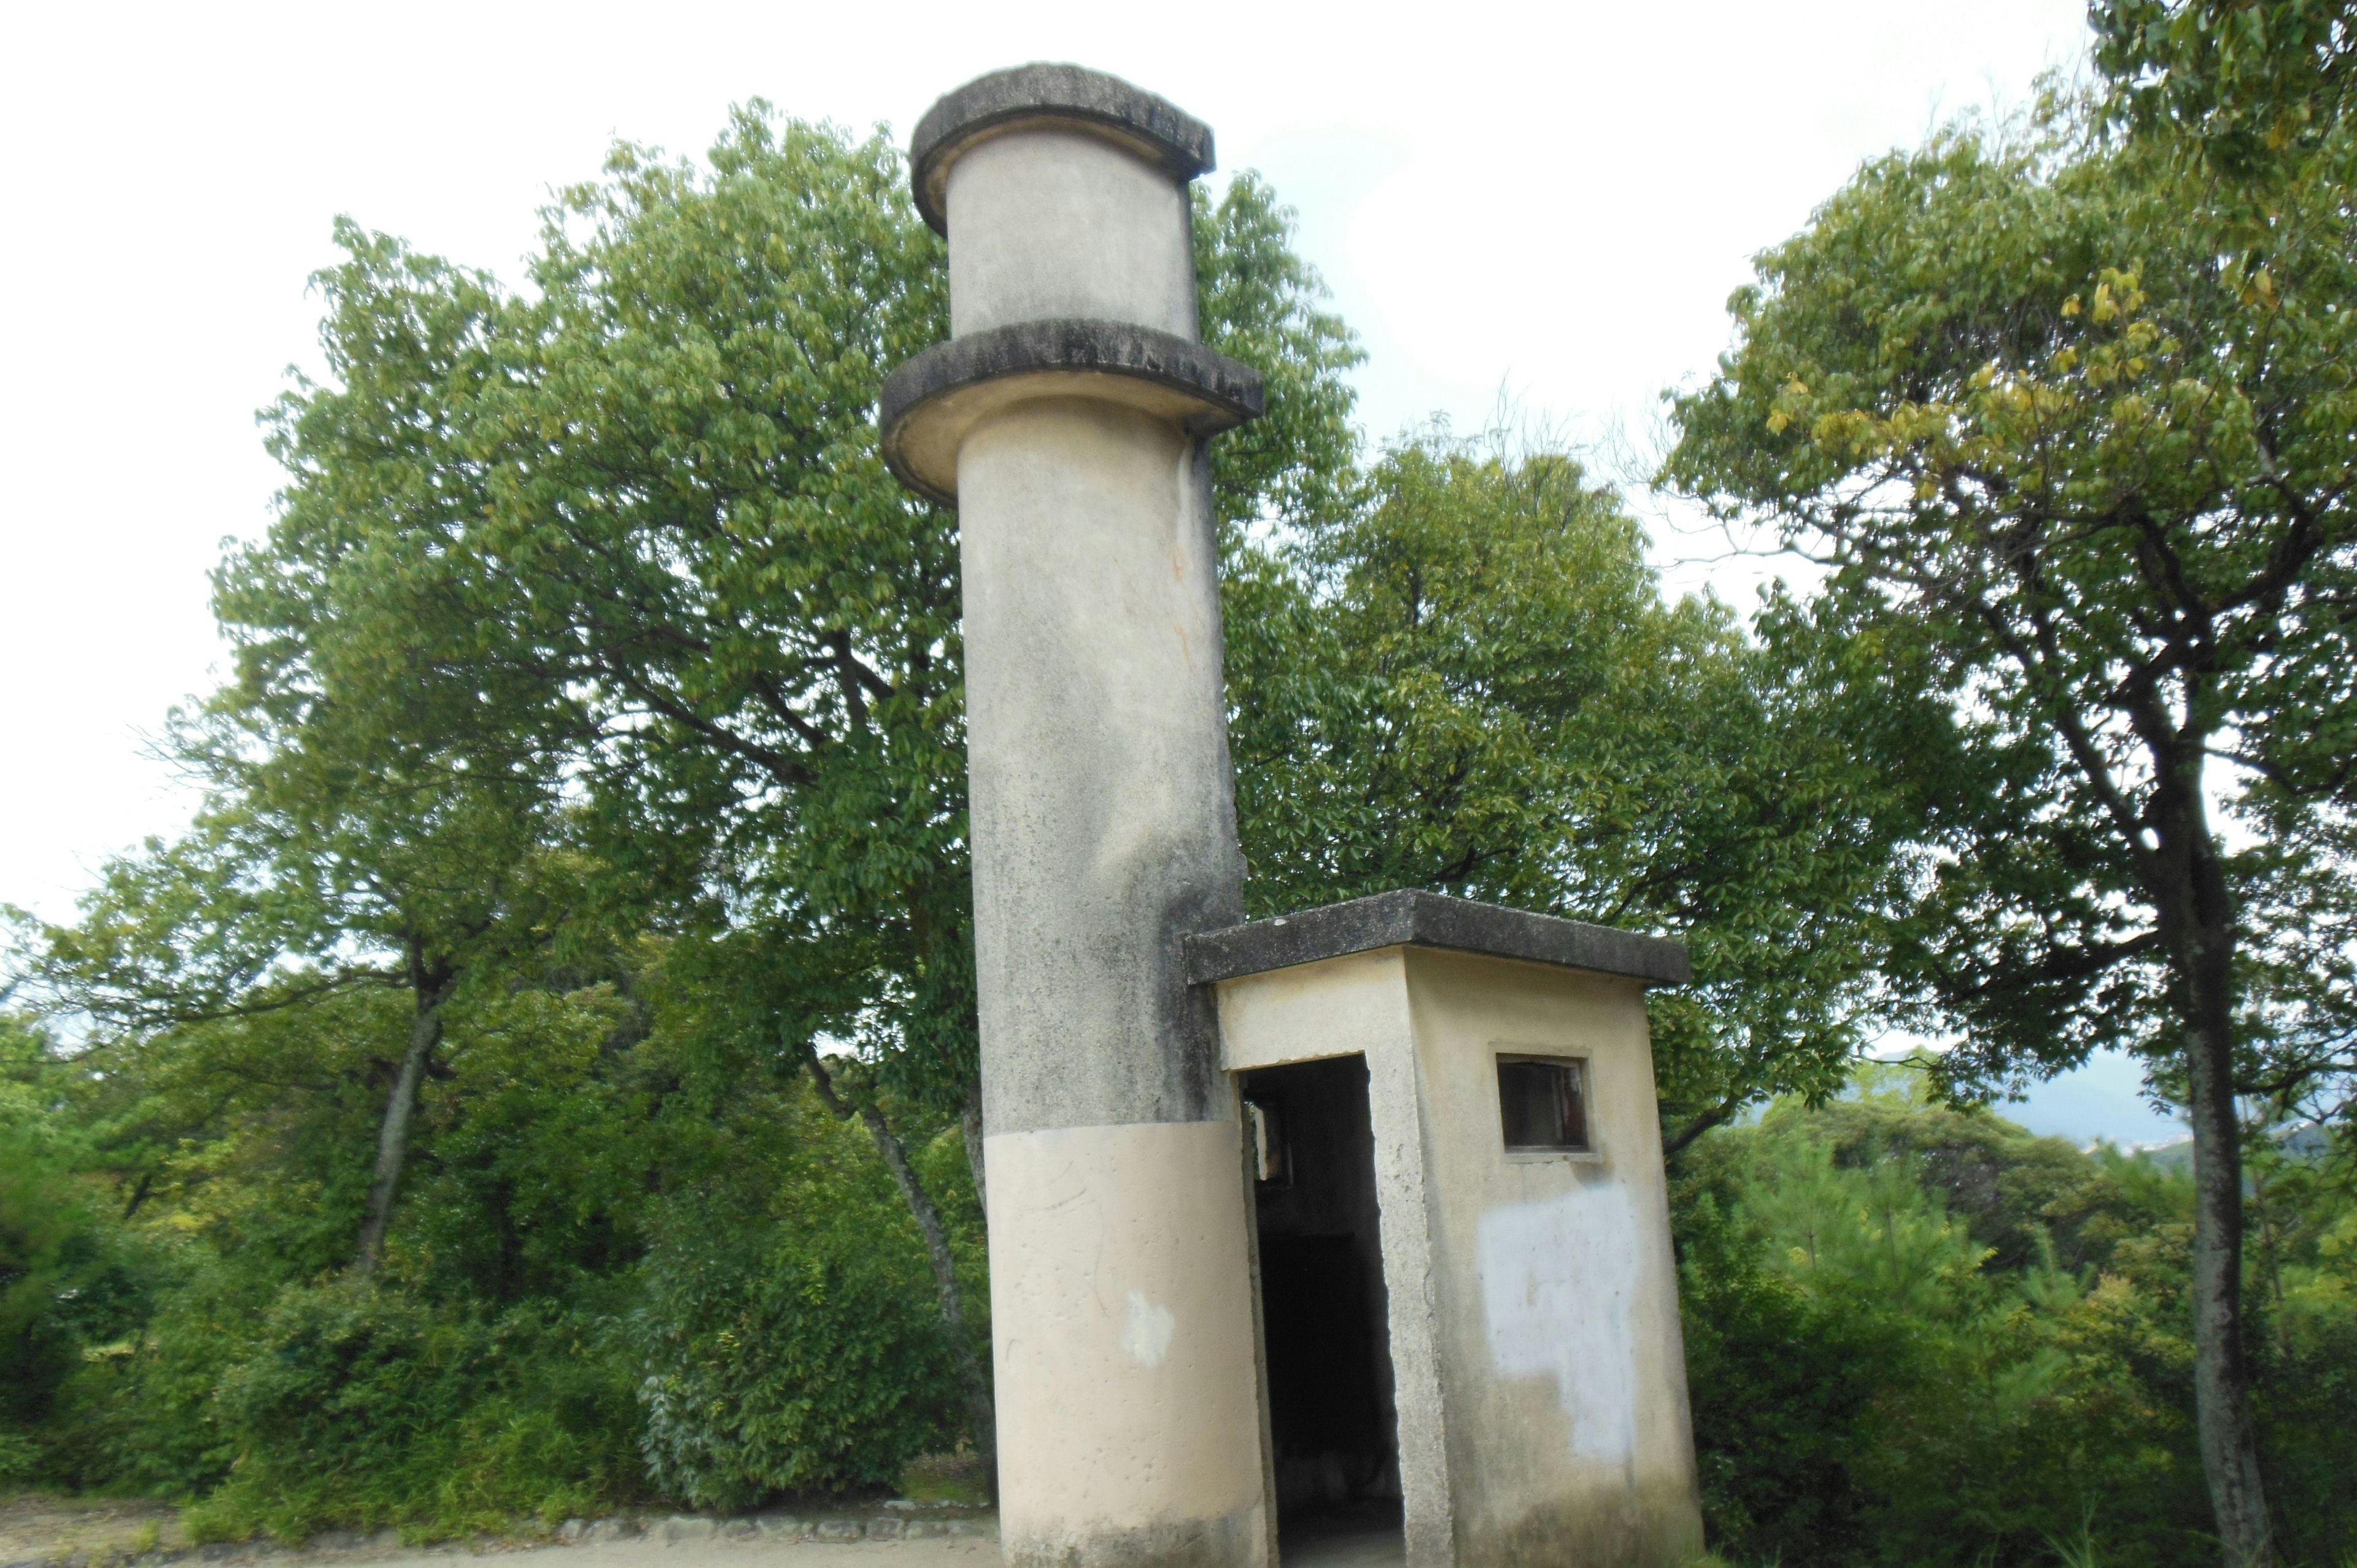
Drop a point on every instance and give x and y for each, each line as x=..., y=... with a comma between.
x=2085, y=466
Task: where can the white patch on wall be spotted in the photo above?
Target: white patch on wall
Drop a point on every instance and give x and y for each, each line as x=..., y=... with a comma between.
x=1148, y=1335
x=1556, y=1283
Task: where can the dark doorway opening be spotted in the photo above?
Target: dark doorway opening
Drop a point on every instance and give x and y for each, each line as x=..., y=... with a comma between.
x=1324, y=1311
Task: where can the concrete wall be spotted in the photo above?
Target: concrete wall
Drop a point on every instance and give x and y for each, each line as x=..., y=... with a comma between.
x=1568, y=1433
x=1534, y=1301
x=1128, y=1407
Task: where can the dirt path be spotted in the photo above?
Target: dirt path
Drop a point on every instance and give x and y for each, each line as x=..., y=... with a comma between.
x=38, y=1527
x=47, y=1532
x=936, y=1551
x=38, y=1531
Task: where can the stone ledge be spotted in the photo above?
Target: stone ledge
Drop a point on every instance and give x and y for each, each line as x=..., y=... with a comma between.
x=928, y=404
x=1407, y=918
x=1090, y=100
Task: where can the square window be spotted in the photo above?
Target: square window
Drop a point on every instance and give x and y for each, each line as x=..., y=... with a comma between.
x=1543, y=1100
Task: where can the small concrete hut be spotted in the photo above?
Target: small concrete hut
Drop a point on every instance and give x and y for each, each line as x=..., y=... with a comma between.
x=1348, y=1225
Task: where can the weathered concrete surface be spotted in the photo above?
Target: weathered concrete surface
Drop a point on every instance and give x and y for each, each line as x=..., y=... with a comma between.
x=1535, y=1334
x=1569, y=1434
x=1097, y=757
x=1073, y=99
x=1050, y=224
x=1408, y=916
x=929, y=404
x=1121, y=1296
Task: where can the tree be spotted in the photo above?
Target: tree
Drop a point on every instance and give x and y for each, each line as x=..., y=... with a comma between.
x=1469, y=682
x=2244, y=87
x=373, y=819
x=2077, y=459
x=344, y=845
x=646, y=512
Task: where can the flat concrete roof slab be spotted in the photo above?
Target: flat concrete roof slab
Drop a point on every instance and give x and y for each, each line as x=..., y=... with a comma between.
x=1409, y=917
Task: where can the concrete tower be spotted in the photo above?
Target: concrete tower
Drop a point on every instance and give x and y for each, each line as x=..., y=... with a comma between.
x=1067, y=418
x=1433, y=1290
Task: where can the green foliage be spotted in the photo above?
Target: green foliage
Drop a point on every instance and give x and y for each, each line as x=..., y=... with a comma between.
x=1470, y=682
x=142, y=1418
x=799, y=1358
x=19, y=1458
x=611, y=1179
x=1780, y=1388
x=72, y=1283
x=1260, y=304
x=2249, y=84
x=1918, y=1334
x=2046, y=420
x=785, y=1329
x=2068, y=422
x=359, y=1406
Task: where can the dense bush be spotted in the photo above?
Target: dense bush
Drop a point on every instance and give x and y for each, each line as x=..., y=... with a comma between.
x=1919, y=1335
x=788, y=1361
x=139, y=1416
x=638, y=1260
x=71, y=1283
x=361, y=1406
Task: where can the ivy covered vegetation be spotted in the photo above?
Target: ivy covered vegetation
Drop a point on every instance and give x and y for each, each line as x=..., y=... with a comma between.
x=541, y=1079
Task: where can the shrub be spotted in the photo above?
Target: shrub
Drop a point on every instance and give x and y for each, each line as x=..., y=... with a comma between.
x=138, y=1416
x=801, y=1358
x=74, y=1282
x=1920, y=1336
x=1781, y=1386
x=18, y=1458
x=359, y=1406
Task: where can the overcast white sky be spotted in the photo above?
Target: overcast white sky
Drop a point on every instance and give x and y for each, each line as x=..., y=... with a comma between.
x=1544, y=203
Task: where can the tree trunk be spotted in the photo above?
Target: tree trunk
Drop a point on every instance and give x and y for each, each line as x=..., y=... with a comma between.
x=980, y=1409
x=2197, y=925
x=970, y=1134
x=979, y=1406
x=431, y=987
x=2222, y=1378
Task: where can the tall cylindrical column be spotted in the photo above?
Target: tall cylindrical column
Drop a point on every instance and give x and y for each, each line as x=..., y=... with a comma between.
x=1068, y=419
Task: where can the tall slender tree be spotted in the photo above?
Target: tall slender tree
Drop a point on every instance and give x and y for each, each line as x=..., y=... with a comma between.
x=2075, y=451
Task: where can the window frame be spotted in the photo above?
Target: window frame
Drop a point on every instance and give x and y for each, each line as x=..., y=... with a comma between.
x=1503, y=1053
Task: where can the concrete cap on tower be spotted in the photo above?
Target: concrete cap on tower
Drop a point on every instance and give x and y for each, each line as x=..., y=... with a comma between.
x=1068, y=95
x=929, y=402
